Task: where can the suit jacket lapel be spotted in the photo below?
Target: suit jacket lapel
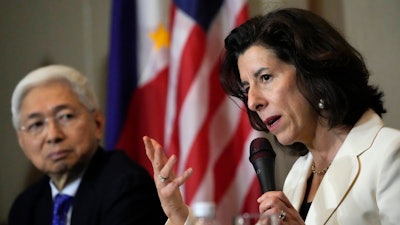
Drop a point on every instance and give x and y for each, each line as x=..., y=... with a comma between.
x=296, y=182
x=333, y=189
x=344, y=169
x=341, y=175
x=85, y=198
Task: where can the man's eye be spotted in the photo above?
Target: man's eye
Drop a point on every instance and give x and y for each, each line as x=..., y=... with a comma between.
x=37, y=125
x=66, y=117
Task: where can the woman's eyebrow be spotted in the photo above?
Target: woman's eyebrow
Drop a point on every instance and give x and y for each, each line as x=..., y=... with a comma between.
x=259, y=72
x=256, y=74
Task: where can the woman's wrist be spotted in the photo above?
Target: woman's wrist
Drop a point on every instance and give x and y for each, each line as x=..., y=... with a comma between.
x=180, y=215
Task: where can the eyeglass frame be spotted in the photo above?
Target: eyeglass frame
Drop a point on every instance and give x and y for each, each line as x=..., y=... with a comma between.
x=43, y=121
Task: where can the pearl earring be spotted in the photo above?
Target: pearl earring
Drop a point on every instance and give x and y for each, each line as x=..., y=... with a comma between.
x=321, y=104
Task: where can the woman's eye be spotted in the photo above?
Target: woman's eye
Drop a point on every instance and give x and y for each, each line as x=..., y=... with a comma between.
x=266, y=77
x=245, y=90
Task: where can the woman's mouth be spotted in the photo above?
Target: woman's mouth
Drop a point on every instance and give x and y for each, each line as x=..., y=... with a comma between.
x=271, y=121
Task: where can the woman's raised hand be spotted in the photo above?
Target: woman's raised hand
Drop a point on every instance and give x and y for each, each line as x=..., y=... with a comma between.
x=166, y=182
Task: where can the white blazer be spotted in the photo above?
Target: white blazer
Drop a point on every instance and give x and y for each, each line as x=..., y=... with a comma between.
x=362, y=184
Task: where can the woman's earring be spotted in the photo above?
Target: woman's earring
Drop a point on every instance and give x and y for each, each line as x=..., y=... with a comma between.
x=321, y=104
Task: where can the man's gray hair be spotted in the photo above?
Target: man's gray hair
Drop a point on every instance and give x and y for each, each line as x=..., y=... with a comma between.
x=78, y=83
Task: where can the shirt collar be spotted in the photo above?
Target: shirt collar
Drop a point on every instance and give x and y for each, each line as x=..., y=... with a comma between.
x=70, y=189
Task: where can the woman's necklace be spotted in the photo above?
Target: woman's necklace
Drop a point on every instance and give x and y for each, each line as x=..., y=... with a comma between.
x=320, y=172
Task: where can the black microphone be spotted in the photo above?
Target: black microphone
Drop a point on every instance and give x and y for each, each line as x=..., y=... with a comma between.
x=262, y=156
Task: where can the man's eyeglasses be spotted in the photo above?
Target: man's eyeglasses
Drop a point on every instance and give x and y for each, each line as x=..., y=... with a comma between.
x=63, y=119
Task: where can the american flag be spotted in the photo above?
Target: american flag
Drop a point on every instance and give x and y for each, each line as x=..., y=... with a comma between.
x=163, y=82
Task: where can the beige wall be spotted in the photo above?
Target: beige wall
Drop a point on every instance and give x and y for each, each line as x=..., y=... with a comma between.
x=75, y=32
x=32, y=33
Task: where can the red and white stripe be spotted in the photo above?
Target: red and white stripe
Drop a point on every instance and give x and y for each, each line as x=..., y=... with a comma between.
x=205, y=128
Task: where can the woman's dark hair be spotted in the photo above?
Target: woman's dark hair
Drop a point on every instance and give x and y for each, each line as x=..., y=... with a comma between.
x=327, y=66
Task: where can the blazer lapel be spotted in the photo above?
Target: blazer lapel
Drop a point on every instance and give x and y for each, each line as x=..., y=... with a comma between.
x=296, y=181
x=333, y=189
x=344, y=169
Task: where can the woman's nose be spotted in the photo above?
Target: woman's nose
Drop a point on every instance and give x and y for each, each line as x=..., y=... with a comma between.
x=255, y=99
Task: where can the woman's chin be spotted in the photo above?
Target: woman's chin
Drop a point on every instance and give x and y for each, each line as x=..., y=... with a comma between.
x=284, y=140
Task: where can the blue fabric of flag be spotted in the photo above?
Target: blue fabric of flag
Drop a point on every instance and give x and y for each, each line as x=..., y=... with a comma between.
x=203, y=11
x=122, y=72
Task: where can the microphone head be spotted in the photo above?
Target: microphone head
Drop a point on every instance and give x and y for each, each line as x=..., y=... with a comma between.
x=261, y=148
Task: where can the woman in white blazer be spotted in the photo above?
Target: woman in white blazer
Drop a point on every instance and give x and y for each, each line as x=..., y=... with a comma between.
x=362, y=183
x=301, y=81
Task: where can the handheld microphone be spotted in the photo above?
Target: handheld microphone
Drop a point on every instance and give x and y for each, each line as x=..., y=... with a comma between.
x=262, y=156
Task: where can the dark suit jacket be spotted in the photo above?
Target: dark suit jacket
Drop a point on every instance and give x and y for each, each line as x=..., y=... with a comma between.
x=113, y=190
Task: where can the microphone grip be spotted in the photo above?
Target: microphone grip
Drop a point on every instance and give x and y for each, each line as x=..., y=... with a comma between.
x=265, y=170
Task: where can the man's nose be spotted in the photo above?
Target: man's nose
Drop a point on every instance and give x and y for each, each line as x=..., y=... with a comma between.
x=54, y=131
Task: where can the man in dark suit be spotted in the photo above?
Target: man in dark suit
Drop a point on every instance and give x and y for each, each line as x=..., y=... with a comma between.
x=59, y=125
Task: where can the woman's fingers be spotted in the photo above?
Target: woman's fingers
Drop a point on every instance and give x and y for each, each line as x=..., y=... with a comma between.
x=277, y=196
x=163, y=167
x=182, y=179
x=149, y=148
x=276, y=203
x=166, y=182
x=173, y=184
x=162, y=164
x=155, y=153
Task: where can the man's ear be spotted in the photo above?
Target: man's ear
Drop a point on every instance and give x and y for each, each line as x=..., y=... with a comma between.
x=99, y=120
